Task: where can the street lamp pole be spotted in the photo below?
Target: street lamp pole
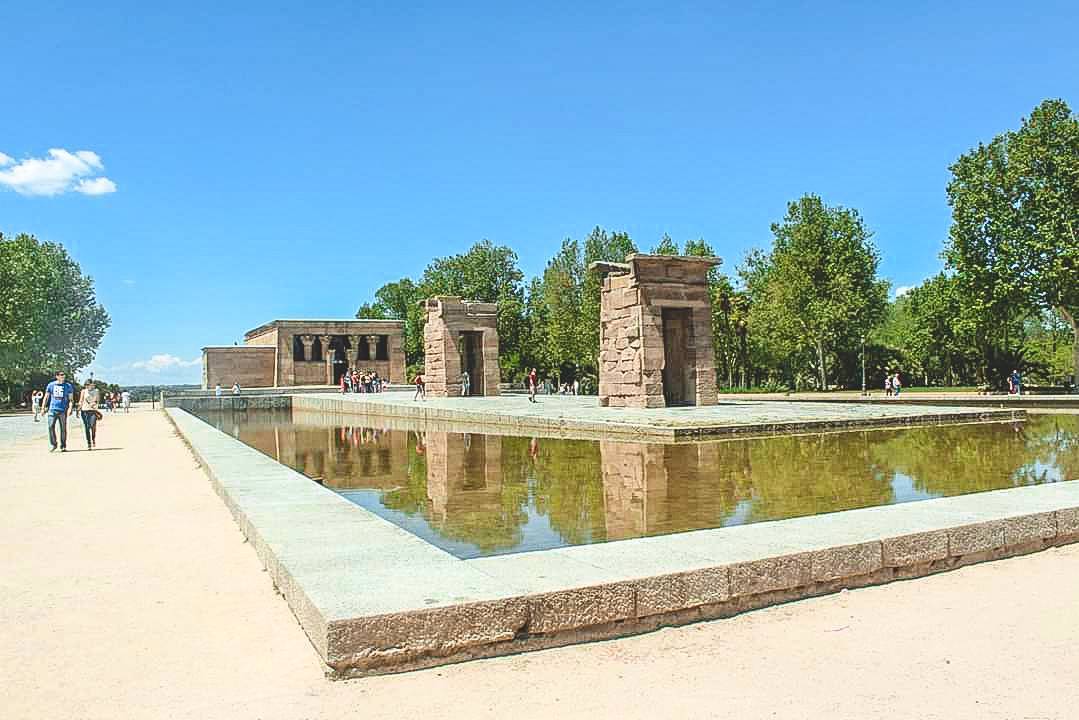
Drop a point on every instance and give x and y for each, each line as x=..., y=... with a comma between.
x=863, y=365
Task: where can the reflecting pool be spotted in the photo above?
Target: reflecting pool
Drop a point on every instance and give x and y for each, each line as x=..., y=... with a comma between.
x=480, y=494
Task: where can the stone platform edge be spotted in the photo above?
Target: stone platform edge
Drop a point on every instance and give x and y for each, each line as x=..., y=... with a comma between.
x=355, y=405
x=374, y=599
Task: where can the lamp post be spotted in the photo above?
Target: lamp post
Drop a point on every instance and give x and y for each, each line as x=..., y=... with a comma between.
x=863, y=366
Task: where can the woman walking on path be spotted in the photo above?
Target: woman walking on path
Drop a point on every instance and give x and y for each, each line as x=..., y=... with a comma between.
x=89, y=399
x=35, y=403
x=420, y=390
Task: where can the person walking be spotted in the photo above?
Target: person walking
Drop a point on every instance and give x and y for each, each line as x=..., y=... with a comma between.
x=89, y=399
x=217, y=390
x=421, y=390
x=125, y=400
x=58, y=396
x=235, y=388
x=888, y=385
x=466, y=383
x=897, y=384
x=532, y=385
x=1016, y=382
x=35, y=404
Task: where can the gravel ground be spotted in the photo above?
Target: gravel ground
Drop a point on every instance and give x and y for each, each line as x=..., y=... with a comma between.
x=127, y=591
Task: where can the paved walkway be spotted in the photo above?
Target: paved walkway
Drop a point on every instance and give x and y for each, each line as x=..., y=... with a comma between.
x=127, y=591
x=16, y=428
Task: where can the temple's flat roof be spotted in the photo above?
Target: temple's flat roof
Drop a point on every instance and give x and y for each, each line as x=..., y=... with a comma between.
x=320, y=321
x=238, y=347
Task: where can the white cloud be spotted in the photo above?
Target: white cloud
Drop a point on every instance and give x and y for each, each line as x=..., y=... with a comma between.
x=903, y=290
x=164, y=362
x=60, y=172
x=95, y=186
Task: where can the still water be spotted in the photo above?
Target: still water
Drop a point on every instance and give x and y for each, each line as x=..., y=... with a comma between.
x=473, y=494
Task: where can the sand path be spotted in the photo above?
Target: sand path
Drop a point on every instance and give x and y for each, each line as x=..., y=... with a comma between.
x=126, y=591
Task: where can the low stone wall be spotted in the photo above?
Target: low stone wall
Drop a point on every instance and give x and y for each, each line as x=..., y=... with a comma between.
x=594, y=421
x=373, y=598
x=235, y=403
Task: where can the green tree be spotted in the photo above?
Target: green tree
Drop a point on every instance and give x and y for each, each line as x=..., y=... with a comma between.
x=562, y=286
x=817, y=291
x=666, y=246
x=49, y=315
x=926, y=326
x=486, y=273
x=600, y=245
x=1014, y=239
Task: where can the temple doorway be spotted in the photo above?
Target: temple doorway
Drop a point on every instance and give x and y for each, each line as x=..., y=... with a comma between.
x=677, y=367
x=472, y=360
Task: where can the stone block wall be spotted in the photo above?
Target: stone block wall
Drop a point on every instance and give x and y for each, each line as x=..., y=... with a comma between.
x=632, y=354
x=288, y=368
x=447, y=318
x=249, y=365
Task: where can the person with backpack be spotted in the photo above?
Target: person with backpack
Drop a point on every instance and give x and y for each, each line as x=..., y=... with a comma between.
x=421, y=392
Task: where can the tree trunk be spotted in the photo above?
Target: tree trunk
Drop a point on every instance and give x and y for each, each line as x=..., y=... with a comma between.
x=1072, y=320
x=823, y=374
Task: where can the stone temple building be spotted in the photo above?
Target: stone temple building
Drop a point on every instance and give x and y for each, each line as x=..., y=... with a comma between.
x=655, y=338
x=285, y=353
x=460, y=336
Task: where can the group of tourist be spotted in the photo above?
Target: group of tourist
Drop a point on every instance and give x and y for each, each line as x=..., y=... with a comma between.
x=354, y=381
x=892, y=384
x=235, y=389
x=567, y=388
x=57, y=401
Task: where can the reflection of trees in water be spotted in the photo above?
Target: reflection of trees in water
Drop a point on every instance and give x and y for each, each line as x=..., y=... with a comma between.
x=1054, y=441
x=952, y=460
x=411, y=496
x=477, y=488
x=803, y=475
x=567, y=486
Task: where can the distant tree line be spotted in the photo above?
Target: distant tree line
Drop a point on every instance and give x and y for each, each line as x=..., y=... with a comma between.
x=807, y=311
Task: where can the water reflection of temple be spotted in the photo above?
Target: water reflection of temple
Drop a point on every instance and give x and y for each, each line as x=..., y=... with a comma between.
x=342, y=458
x=650, y=488
x=485, y=489
x=464, y=473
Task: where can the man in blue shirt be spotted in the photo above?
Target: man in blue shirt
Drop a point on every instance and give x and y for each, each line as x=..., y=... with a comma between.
x=58, y=396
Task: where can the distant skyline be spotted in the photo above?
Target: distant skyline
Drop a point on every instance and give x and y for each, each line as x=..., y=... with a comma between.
x=215, y=167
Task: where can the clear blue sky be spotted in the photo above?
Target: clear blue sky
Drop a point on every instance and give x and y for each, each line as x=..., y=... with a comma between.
x=285, y=160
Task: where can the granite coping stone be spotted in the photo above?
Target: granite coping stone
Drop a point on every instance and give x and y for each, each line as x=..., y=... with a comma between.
x=373, y=598
x=582, y=415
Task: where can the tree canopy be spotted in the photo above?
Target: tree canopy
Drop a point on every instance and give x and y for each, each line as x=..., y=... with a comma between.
x=817, y=290
x=1014, y=239
x=49, y=315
